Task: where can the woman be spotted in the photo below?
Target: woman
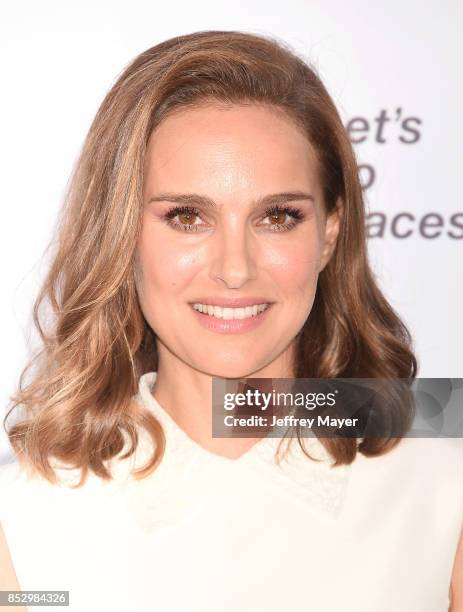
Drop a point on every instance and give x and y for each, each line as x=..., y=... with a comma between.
x=214, y=227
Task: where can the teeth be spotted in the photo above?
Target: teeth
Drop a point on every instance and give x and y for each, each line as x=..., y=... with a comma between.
x=231, y=313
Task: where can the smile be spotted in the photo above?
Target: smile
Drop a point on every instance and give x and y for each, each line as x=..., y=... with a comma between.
x=230, y=313
x=231, y=320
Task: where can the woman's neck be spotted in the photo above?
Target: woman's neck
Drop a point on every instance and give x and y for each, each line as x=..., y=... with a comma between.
x=185, y=393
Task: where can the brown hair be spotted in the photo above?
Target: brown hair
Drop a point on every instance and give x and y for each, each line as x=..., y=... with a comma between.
x=78, y=404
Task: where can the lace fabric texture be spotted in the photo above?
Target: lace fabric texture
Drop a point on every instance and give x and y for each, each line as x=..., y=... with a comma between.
x=189, y=474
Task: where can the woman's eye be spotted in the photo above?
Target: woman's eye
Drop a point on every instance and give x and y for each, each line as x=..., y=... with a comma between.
x=277, y=218
x=186, y=218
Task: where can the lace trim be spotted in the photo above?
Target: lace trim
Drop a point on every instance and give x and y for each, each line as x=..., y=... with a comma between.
x=182, y=481
x=316, y=483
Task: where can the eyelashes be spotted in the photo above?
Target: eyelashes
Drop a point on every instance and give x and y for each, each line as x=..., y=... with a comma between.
x=276, y=213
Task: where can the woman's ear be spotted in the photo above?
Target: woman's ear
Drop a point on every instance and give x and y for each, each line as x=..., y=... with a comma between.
x=332, y=227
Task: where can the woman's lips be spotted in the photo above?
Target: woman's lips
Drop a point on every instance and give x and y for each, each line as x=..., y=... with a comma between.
x=231, y=326
x=231, y=302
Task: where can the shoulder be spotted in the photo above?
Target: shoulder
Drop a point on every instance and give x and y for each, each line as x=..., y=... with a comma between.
x=11, y=478
x=442, y=457
x=426, y=455
x=21, y=490
x=424, y=469
x=436, y=463
x=9, y=471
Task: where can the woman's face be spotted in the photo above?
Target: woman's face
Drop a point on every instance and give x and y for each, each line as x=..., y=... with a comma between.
x=229, y=168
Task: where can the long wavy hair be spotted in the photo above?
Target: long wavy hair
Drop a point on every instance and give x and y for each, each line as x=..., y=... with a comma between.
x=77, y=401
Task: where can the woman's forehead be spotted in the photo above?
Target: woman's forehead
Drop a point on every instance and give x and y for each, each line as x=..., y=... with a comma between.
x=234, y=148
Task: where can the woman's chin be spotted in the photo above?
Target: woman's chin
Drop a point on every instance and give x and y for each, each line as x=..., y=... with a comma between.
x=228, y=370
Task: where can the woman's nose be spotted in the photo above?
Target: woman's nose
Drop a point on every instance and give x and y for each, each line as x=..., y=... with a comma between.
x=233, y=257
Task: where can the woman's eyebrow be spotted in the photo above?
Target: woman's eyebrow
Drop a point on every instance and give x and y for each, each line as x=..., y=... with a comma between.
x=201, y=200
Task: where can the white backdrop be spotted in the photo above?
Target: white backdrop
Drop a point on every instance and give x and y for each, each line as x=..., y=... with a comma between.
x=393, y=69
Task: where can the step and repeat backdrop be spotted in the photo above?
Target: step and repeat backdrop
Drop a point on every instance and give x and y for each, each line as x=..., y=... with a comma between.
x=392, y=68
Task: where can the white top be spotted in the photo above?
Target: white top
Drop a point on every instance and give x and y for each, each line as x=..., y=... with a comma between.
x=205, y=533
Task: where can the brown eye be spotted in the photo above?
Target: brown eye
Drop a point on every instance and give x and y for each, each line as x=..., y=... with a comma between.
x=278, y=218
x=187, y=218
